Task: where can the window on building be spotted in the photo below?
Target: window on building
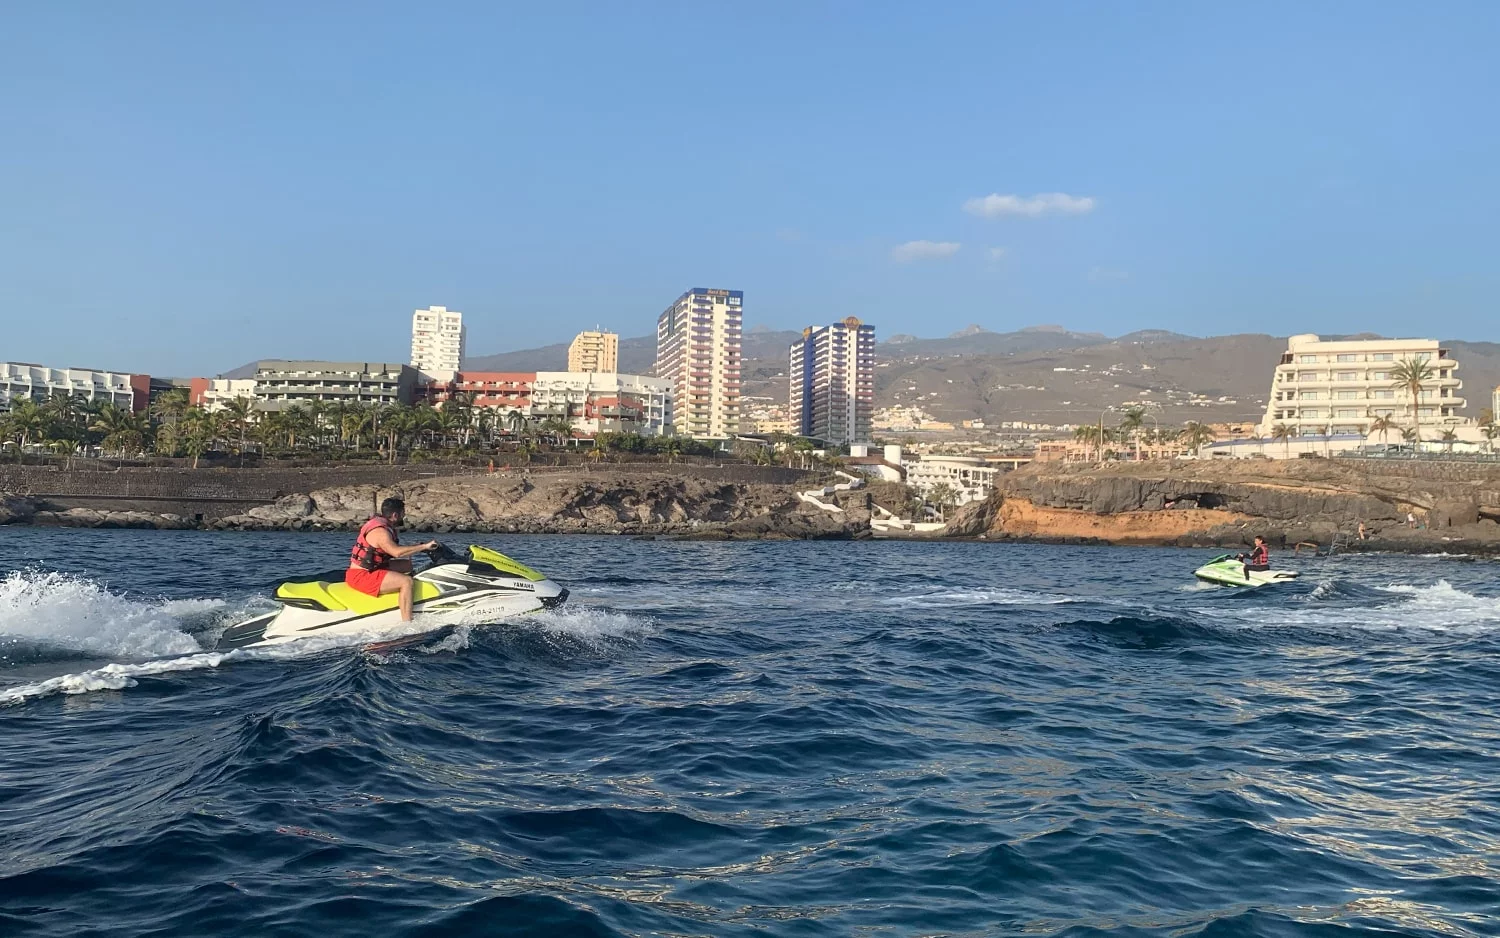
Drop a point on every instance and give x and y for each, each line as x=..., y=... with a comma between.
x=1383, y=357
x=1307, y=359
x=1309, y=396
x=1346, y=357
x=1348, y=395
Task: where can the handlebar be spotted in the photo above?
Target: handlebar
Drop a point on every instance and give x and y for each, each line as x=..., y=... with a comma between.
x=441, y=553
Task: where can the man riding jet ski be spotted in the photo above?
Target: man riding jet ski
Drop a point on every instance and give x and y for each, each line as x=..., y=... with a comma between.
x=378, y=564
x=484, y=587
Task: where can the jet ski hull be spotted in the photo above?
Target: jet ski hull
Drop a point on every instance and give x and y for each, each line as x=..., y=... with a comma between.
x=488, y=589
x=1227, y=571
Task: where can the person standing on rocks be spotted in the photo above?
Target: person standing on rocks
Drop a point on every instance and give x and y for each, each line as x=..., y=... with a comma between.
x=378, y=564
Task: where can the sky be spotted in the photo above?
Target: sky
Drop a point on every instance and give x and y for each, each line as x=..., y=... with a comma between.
x=186, y=187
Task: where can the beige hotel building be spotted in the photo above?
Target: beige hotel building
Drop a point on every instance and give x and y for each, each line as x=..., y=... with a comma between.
x=594, y=351
x=1345, y=385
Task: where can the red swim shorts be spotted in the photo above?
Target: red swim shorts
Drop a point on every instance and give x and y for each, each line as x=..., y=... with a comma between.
x=366, y=581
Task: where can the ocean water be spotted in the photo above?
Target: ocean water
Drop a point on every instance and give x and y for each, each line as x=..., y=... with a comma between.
x=875, y=738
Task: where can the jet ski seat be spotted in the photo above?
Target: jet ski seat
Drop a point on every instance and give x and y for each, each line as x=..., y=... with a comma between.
x=339, y=596
x=364, y=604
x=311, y=594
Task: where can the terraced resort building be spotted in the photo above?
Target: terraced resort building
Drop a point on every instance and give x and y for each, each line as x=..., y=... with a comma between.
x=26, y=381
x=1342, y=387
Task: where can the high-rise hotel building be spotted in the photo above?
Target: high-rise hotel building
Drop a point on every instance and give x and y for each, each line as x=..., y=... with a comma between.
x=594, y=351
x=698, y=350
x=437, y=340
x=832, y=374
x=1344, y=386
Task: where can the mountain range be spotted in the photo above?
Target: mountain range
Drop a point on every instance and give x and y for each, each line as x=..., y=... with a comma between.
x=1040, y=374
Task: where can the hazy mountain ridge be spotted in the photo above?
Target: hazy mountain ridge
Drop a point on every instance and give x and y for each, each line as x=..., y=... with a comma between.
x=1042, y=374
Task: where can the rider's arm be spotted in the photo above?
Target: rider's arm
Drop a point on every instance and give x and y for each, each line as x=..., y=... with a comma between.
x=381, y=538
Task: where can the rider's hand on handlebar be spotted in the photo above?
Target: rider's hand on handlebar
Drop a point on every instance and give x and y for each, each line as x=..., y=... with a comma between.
x=430, y=545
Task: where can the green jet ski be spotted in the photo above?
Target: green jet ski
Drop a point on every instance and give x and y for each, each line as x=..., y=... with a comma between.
x=1228, y=570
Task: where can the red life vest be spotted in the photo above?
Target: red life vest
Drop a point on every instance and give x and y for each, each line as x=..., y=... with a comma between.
x=1260, y=556
x=367, y=556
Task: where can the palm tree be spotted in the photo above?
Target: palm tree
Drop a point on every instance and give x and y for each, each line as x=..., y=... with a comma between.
x=1130, y=428
x=941, y=496
x=357, y=419
x=200, y=430
x=1382, y=425
x=1410, y=374
x=1195, y=434
x=237, y=415
x=123, y=432
x=1327, y=432
x=515, y=422
x=169, y=407
x=27, y=421
x=1283, y=433
x=1490, y=431
x=1449, y=437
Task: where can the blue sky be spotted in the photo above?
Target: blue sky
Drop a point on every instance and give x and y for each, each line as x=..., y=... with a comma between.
x=186, y=187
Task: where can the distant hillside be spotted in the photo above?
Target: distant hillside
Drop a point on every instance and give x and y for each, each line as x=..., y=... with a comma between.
x=1043, y=374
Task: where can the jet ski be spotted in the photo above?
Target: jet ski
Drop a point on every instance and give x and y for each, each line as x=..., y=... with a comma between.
x=486, y=586
x=1228, y=570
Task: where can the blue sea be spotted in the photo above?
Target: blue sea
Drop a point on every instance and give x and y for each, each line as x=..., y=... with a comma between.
x=737, y=739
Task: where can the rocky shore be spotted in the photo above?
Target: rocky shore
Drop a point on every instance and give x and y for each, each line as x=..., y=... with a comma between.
x=671, y=502
x=1225, y=504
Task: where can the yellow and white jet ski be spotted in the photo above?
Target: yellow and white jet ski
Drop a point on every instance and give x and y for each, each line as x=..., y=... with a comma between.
x=484, y=588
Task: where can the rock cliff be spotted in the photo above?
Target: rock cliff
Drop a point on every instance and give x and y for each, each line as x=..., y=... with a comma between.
x=1457, y=506
x=583, y=503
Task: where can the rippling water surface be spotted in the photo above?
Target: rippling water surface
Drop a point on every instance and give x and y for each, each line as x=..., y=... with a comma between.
x=873, y=738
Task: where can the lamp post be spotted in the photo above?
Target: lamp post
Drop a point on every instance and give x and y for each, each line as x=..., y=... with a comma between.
x=1101, y=433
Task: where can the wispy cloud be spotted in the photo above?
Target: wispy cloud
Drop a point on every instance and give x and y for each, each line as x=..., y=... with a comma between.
x=996, y=205
x=923, y=250
x=996, y=255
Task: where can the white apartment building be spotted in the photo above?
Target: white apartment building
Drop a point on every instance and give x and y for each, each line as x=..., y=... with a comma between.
x=603, y=402
x=698, y=350
x=832, y=381
x=22, y=380
x=214, y=394
x=970, y=477
x=437, y=339
x=594, y=351
x=1346, y=385
x=1495, y=406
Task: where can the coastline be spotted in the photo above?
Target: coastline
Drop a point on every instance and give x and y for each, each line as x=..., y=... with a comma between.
x=1178, y=504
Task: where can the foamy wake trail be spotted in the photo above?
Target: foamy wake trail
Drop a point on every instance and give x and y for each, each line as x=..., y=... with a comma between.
x=109, y=677
x=74, y=613
x=123, y=675
x=1001, y=596
x=590, y=622
x=1442, y=606
x=1438, y=607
